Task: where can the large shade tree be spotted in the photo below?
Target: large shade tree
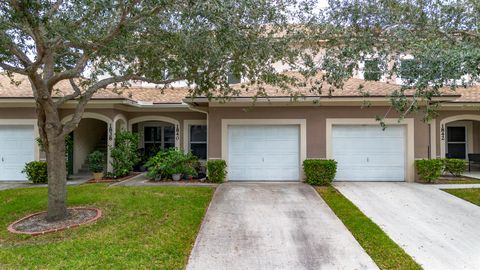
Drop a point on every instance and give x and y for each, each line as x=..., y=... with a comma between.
x=440, y=39
x=96, y=44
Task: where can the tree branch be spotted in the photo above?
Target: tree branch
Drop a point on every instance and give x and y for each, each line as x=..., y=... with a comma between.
x=87, y=95
x=13, y=69
x=54, y=8
x=76, y=93
x=70, y=74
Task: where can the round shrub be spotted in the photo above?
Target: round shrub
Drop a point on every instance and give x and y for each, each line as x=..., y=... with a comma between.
x=96, y=161
x=216, y=170
x=429, y=169
x=319, y=172
x=36, y=172
x=455, y=166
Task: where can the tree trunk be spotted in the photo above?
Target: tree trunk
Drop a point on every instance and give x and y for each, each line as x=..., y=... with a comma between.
x=57, y=176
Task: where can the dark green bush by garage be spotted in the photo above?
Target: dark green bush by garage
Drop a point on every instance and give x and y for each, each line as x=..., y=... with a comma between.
x=319, y=172
x=216, y=170
x=36, y=172
x=429, y=170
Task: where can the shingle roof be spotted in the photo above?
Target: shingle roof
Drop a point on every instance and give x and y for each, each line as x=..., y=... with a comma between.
x=176, y=95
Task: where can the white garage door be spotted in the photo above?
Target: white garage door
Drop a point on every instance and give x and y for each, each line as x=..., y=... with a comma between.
x=263, y=153
x=16, y=149
x=368, y=153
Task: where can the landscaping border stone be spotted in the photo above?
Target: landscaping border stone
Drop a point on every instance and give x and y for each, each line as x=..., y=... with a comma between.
x=11, y=227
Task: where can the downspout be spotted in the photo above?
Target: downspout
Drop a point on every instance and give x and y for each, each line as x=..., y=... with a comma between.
x=429, y=140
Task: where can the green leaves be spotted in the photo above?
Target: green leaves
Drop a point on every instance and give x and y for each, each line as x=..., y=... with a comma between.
x=124, y=154
x=425, y=45
x=172, y=161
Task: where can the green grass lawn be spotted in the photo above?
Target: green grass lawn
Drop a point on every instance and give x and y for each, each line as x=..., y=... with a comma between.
x=386, y=253
x=469, y=194
x=142, y=228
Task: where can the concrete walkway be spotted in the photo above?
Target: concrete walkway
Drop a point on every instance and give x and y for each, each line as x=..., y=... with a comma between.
x=74, y=180
x=439, y=230
x=274, y=226
x=142, y=180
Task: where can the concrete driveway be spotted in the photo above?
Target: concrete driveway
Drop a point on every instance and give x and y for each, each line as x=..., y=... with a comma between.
x=439, y=230
x=274, y=226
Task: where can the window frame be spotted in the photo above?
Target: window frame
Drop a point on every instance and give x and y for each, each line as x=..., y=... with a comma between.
x=187, y=136
x=378, y=73
x=161, y=127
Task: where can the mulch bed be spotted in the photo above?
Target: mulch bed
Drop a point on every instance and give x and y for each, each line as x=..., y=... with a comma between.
x=182, y=181
x=448, y=179
x=36, y=224
x=113, y=180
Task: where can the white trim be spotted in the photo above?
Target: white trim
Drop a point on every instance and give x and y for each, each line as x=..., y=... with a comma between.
x=468, y=125
x=433, y=138
x=26, y=122
x=186, y=132
x=92, y=115
x=443, y=122
x=410, y=137
x=147, y=118
x=119, y=117
x=302, y=123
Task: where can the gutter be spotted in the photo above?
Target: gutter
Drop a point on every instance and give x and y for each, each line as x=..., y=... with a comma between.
x=275, y=99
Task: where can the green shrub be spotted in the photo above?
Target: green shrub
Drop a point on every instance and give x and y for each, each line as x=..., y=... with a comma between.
x=171, y=161
x=124, y=154
x=216, y=170
x=96, y=161
x=36, y=172
x=455, y=166
x=319, y=172
x=429, y=169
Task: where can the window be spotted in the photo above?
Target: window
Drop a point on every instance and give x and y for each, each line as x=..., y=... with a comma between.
x=198, y=141
x=409, y=69
x=158, y=138
x=372, y=70
x=457, y=142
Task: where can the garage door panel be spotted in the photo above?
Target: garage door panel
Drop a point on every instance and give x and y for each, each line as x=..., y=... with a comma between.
x=356, y=173
x=368, y=153
x=258, y=153
x=16, y=149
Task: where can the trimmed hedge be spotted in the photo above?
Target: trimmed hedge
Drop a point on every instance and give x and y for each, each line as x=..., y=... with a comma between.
x=319, y=172
x=36, y=172
x=216, y=170
x=429, y=169
x=455, y=166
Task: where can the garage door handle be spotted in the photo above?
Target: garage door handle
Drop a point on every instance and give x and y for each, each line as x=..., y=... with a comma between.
x=368, y=160
x=2, y=159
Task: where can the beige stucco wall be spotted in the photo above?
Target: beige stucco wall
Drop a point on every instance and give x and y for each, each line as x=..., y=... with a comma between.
x=18, y=113
x=316, y=124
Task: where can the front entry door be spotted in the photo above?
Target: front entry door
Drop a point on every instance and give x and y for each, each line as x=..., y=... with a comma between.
x=457, y=142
